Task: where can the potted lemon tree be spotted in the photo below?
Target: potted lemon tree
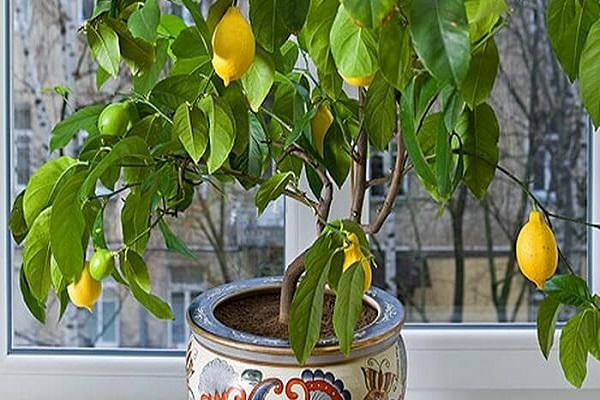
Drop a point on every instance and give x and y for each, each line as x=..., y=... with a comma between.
x=237, y=94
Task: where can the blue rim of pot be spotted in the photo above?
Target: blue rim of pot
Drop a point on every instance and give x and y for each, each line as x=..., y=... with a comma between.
x=204, y=324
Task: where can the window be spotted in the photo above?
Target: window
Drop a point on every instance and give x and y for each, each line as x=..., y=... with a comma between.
x=86, y=9
x=102, y=325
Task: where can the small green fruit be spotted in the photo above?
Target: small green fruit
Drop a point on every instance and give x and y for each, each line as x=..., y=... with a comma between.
x=115, y=119
x=102, y=264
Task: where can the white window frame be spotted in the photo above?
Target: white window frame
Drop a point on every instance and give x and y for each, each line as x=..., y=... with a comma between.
x=444, y=363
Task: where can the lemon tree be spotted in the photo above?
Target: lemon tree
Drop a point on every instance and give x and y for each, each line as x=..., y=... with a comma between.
x=299, y=88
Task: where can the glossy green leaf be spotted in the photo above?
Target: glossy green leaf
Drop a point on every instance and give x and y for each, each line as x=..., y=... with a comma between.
x=194, y=9
x=286, y=57
x=267, y=24
x=293, y=13
x=568, y=289
x=573, y=349
x=593, y=333
x=336, y=155
x=191, y=127
x=138, y=53
x=395, y=53
x=271, y=189
x=315, y=33
x=235, y=98
x=145, y=81
x=483, y=16
x=480, y=79
x=369, y=13
x=258, y=80
x=589, y=70
x=380, y=112
x=104, y=45
x=83, y=119
x=171, y=92
x=216, y=12
x=307, y=304
x=190, y=44
x=36, y=256
x=16, y=222
x=138, y=270
x=479, y=132
x=221, y=131
x=174, y=243
x=41, y=186
x=67, y=226
x=170, y=25
x=569, y=22
x=143, y=23
x=36, y=308
x=348, y=305
x=548, y=313
x=135, y=219
x=354, y=49
x=441, y=37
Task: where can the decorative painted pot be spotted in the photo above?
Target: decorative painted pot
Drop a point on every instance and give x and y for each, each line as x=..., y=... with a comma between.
x=225, y=364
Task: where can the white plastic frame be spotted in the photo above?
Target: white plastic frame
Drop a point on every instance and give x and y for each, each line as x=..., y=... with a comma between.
x=445, y=364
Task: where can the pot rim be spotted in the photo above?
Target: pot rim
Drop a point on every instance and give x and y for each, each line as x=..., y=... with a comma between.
x=205, y=326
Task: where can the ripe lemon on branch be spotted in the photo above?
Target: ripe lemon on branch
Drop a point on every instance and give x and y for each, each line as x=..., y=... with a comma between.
x=319, y=126
x=85, y=292
x=537, y=252
x=359, y=81
x=233, y=46
x=352, y=255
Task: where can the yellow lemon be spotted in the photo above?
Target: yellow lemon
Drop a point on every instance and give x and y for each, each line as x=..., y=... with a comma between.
x=537, y=253
x=233, y=46
x=353, y=254
x=360, y=81
x=319, y=125
x=85, y=292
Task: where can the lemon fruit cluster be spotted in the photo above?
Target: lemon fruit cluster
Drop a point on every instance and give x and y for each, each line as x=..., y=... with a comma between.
x=319, y=126
x=352, y=255
x=233, y=46
x=85, y=292
x=537, y=252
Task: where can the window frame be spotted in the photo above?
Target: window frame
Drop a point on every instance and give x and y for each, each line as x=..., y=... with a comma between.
x=509, y=354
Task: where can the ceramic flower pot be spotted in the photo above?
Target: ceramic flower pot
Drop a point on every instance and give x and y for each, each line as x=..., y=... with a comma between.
x=225, y=364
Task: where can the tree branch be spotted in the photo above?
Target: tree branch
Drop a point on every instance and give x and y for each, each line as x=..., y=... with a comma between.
x=360, y=168
x=288, y=287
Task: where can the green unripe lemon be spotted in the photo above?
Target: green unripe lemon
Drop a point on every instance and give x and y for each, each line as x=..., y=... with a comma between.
x=115, y=119
x=102, y=264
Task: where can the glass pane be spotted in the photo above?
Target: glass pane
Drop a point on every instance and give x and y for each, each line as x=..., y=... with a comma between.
x=457, y=264
x=221, y=227
x=178, y=324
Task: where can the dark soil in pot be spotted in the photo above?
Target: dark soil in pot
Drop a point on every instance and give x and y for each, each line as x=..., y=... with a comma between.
x=257, y=313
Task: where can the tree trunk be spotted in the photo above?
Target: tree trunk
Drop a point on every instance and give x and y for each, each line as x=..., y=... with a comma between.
x=457, y=211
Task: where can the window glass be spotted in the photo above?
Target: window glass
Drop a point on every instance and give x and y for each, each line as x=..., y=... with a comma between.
x=457, y=264
x=221, y=227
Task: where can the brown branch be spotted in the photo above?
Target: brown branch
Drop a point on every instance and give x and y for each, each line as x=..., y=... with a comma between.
x=360, y=168
x=288, y=287
x=392, y=193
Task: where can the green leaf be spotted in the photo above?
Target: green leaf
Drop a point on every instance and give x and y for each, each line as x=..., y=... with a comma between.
x=104, y=45
x=286, y=57
x=307, y=305
x=144, y=82
x=191, y=127
x=293, y=13
x=267, y=24
x=568, y=289
x=573, y=349
x=593, y=333
x=97, y=230
x=67, y=227
x=441, y=37
x=369, y=13
x=135, y=219
x=380, y=113
x=315, y=33
x=589, y=70
x=171, y=92
x=138, y=270
x=548, y=312
x=258, y=80
x=271, y=189
x=395, y=50
x=336, y=156
x=233, y=95
x=36, y=256
x=143, y=23
x=348, y=305
x=83, y=119
x=253, y=159
x=101, y=77
x=16, y=222
x=42, y=185
x=569, y=22
x=483, y=16
x=36, y=308
x=174, y=243
x=190, y=44
x=354, y=49
x=480, y=79
x=479, y=132
x=132, y=146
x=138, y=53
x=216, y=12
x=194, y=9
x=152, y=303
x=221, y=131
x=170, y=25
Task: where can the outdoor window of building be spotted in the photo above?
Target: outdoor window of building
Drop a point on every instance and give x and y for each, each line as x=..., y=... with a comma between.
x=102, y=324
